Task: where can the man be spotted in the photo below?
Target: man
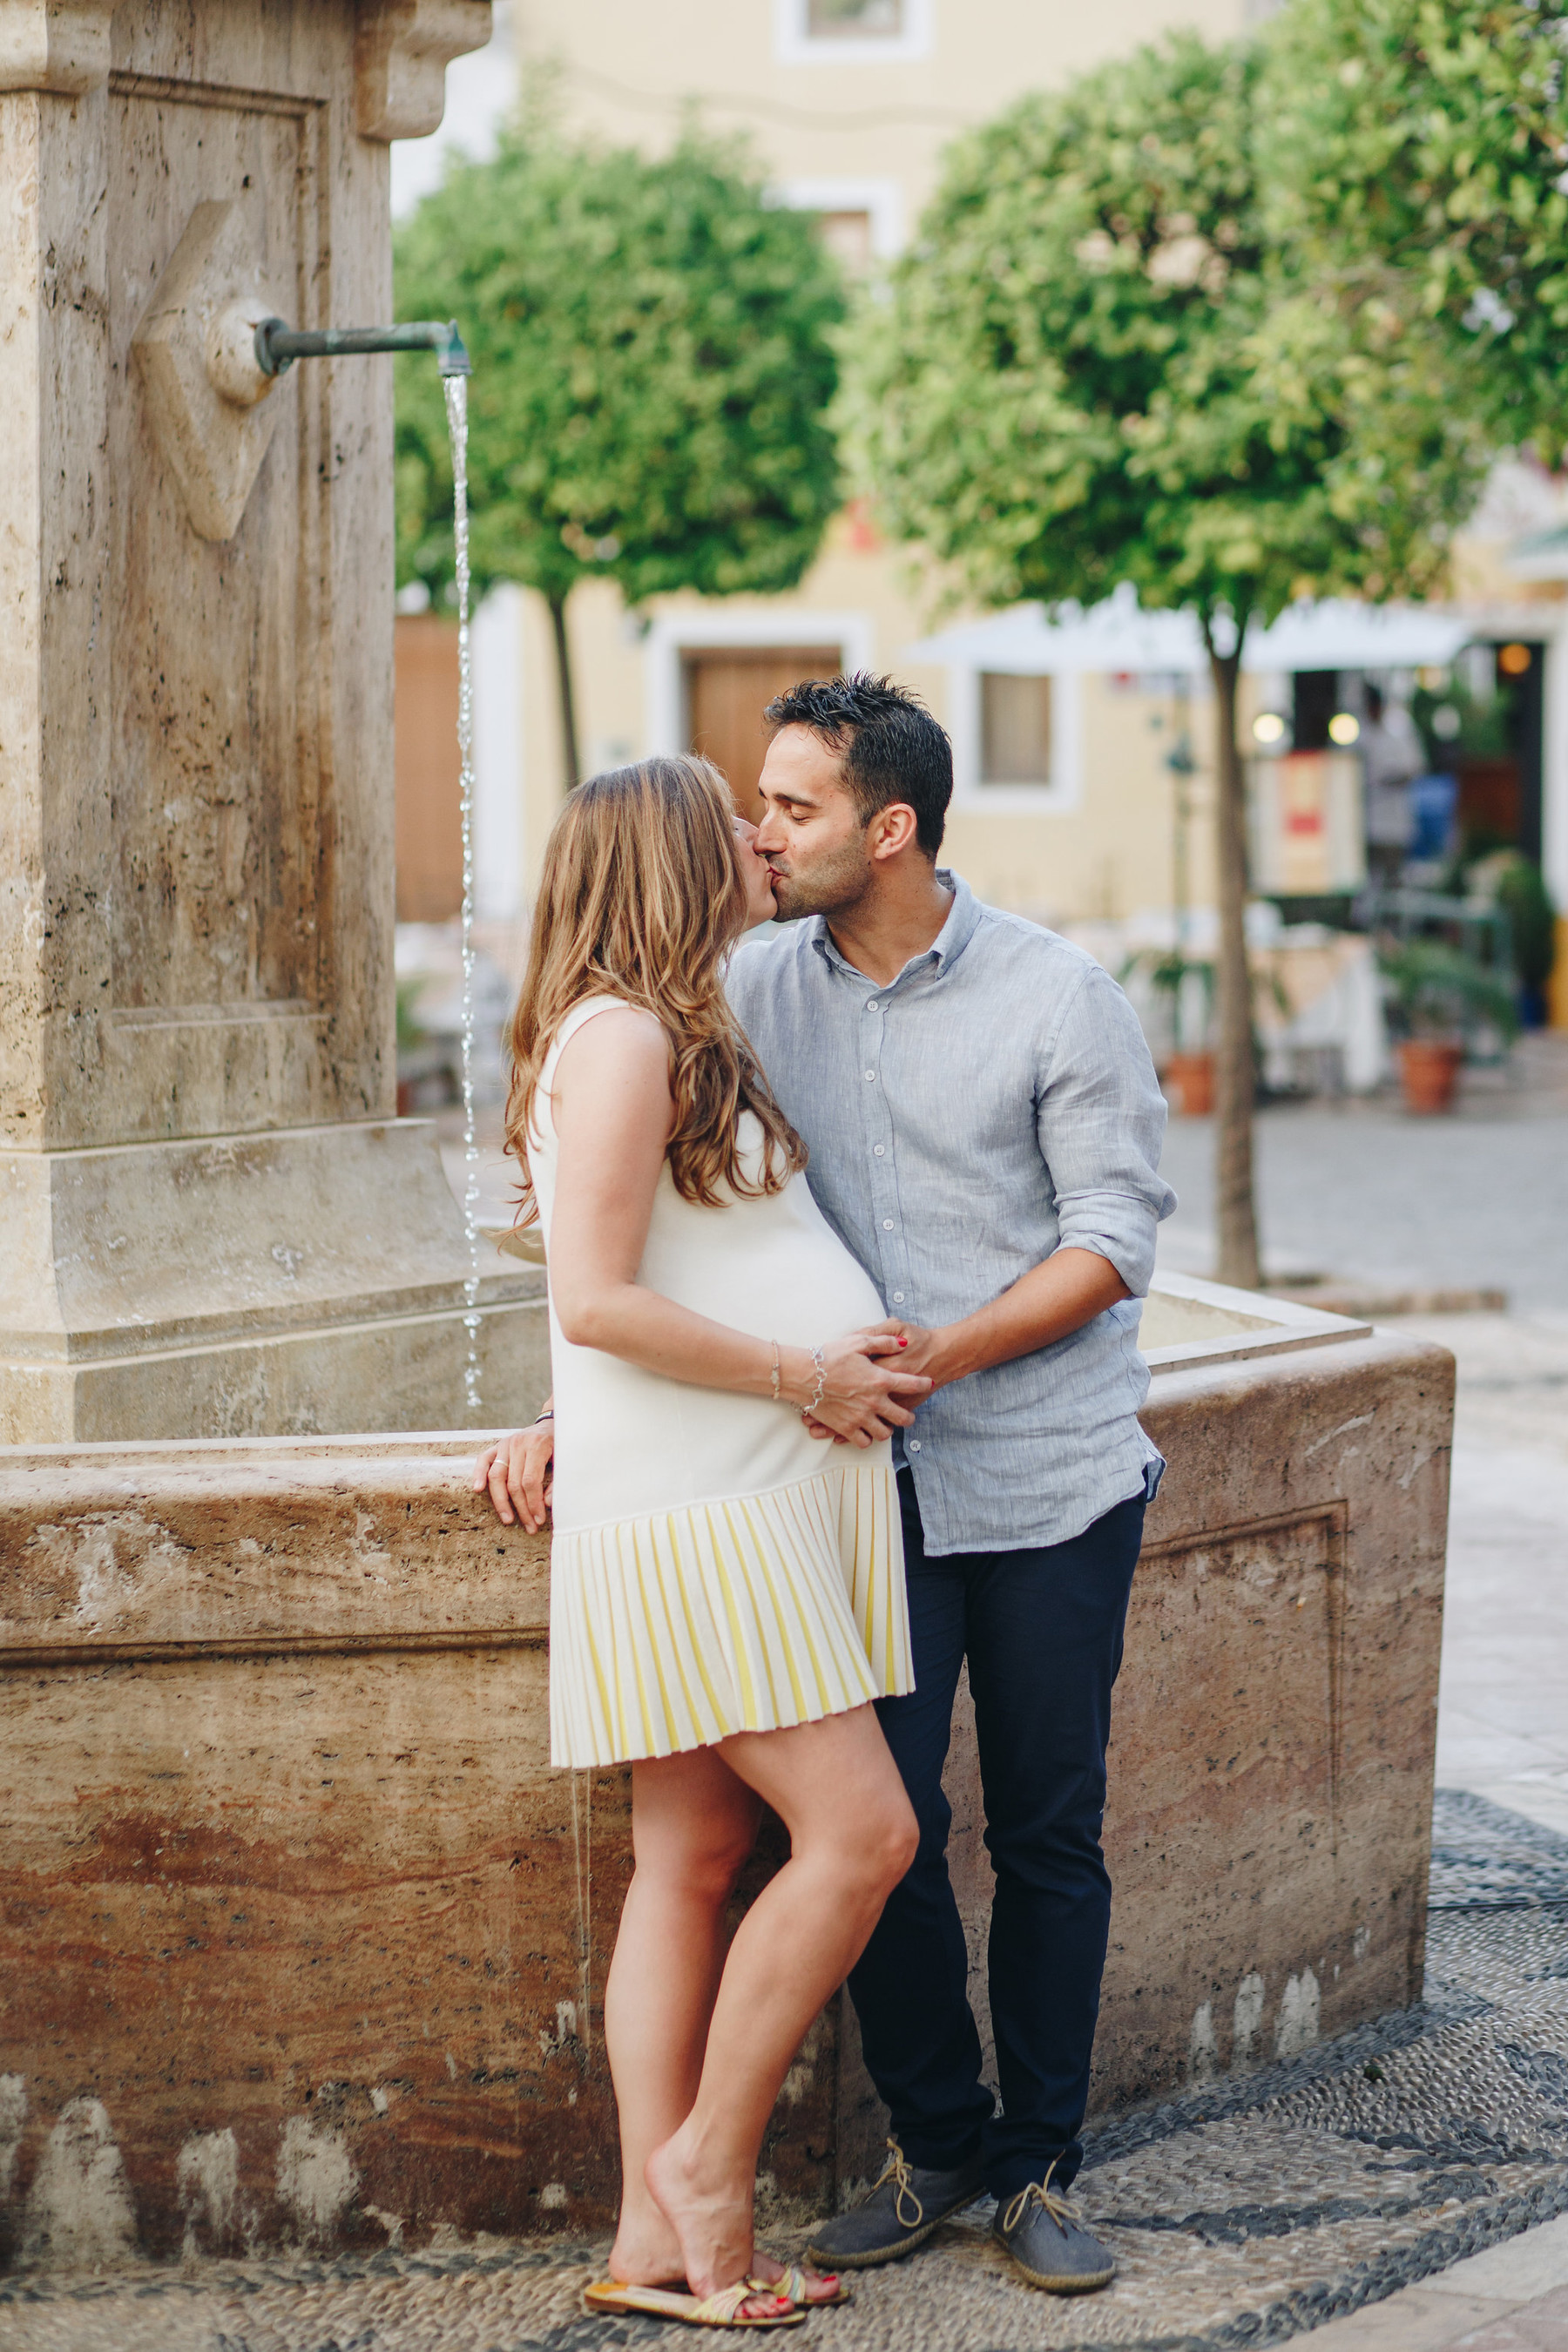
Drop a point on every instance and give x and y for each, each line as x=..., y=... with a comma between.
x=985, y=1127
x=1390, y=758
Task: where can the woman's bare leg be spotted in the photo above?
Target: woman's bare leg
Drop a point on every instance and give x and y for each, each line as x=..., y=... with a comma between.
x=693, y=1825
x=852, y=1837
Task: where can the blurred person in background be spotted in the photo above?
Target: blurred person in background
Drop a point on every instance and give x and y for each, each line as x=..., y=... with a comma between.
x=1391, y=753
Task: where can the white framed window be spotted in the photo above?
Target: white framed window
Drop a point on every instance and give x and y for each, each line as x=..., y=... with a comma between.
x=1017, y=739
x=862, y=221
x=851, y=32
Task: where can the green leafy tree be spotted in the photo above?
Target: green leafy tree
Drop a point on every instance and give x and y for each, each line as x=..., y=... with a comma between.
x=1414, y=151
x=1096, y=368
x=653, y=353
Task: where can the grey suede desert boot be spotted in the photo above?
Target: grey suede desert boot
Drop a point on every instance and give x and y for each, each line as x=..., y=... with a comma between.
x=896, y=2214
x=1049, y=2246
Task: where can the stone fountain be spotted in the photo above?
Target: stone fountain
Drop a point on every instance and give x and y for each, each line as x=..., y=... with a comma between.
x=303, y=1942
x=211, y=1221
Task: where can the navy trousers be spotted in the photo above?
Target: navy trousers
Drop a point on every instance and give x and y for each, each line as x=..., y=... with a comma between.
x=1042, y=1631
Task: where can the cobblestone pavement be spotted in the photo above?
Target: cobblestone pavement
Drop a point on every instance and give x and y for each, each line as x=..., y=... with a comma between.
x=1239, y=2215
x=1367, y=1193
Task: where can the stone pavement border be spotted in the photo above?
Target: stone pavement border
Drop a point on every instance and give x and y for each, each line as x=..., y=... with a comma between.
x=1514, y=2294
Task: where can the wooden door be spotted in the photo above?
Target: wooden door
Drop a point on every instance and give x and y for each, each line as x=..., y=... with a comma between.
x=428, y=775
x=727, y=689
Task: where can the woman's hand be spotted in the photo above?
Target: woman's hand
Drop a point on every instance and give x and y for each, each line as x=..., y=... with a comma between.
x=864, y=1399
x=913, y=1336
x=517, y=1472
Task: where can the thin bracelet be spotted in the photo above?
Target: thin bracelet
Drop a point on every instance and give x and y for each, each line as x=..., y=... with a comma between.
x=774, y=1345
x=820, y=1369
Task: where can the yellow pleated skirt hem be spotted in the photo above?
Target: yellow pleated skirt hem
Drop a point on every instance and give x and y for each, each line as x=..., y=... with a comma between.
x=755, y=1614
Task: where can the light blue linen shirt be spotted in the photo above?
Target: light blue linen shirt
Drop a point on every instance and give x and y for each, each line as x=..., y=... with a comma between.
x=995, y=1103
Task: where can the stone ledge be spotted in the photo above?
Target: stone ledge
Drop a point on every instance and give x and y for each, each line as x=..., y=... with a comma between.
x=233, y=1551
x=402, y=50
x=61, y=47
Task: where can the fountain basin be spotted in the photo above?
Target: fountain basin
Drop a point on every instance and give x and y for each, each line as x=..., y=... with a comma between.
x=305, y=1943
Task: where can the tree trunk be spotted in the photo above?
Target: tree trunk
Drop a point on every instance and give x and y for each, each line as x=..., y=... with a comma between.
x=1236, y=1215
x=566, y=705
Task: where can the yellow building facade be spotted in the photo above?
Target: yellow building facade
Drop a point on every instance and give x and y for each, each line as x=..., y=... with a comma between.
x=1067, y=806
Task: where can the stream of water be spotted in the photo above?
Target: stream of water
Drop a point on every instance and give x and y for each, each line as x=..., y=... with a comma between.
x=456, y=391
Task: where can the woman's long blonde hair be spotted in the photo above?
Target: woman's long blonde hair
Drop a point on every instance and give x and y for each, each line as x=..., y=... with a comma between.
x=641, y=897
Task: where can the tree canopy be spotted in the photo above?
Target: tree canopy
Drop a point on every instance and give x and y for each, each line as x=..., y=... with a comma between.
x=653, y=354
x=1095, y=369
x=1416, y=151
x=1100, y=365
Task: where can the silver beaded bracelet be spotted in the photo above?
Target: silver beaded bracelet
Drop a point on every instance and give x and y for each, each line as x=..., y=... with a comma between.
x=820, y=1369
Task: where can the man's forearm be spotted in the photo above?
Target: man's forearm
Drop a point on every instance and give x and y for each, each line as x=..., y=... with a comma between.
x=1069, y=1290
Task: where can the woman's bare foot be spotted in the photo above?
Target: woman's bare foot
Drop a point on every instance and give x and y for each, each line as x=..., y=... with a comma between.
x=712, y=2223
x=647, y=2252
x=821, y=2287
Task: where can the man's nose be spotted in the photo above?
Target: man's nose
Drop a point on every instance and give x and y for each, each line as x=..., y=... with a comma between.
x=770, y=832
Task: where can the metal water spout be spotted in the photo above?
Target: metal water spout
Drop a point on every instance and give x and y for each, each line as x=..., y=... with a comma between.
x=276, y=345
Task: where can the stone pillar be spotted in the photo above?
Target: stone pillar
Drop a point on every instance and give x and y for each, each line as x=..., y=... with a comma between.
x=211, y=1221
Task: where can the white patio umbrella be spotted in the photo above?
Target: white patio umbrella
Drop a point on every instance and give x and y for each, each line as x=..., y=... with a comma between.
x=1118, y=637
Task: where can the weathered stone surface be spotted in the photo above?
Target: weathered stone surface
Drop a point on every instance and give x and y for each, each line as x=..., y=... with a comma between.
x=306, y=1280
x=196, y=732
x=294, y=1897
x=60, y=46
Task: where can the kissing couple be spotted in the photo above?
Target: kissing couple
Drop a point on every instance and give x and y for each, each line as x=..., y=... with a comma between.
x=846, y=1228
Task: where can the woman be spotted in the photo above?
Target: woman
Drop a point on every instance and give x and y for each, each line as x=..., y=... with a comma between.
x=723, y=1607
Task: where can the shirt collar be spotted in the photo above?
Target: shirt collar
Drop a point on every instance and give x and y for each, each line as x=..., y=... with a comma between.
x=963, y=919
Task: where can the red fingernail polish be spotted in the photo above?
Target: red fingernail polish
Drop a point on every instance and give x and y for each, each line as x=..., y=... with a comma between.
x=903, y=1343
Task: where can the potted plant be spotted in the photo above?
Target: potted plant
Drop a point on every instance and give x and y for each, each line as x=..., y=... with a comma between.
x=1436, y=996
x=1189, y=982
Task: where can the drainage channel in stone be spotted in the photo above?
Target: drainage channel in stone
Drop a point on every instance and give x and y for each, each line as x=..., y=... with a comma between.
x=1242, y=2213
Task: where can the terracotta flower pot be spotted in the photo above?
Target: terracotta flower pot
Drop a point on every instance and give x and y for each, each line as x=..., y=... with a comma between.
x=1428, y=1072
x=1189, y=1083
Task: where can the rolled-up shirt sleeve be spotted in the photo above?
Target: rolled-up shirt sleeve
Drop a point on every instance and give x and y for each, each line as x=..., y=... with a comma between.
x=1100, y=1120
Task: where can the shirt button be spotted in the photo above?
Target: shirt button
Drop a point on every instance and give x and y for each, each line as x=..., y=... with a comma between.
x=878, y=1149
x=914, y=1445
x=897, y=1297
x=871, y=1074
x=873, y=1006
x=887, y=1224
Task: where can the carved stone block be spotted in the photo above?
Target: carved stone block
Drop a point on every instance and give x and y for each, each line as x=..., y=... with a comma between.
x=402, y=50
x=190, y=343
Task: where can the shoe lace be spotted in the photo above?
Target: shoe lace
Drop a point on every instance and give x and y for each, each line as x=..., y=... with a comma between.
x=897, y=2170
x=1041, y=2193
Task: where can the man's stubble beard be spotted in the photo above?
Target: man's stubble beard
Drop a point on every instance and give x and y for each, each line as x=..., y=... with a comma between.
x=830, y=886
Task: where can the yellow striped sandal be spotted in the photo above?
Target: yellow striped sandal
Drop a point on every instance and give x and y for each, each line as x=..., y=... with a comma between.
x=793, y=2284
x=721, y=2310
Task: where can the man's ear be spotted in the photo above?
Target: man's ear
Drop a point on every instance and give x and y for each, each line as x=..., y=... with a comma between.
x=891, y=829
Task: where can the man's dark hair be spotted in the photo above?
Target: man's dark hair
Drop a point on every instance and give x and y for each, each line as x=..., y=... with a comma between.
x=890, y=747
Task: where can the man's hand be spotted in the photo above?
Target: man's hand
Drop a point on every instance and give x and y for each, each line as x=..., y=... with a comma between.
x=1056, y=1297
x=517, y=1472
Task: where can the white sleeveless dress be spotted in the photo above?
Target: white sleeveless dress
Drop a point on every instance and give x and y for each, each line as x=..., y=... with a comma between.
x=714, y=1569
